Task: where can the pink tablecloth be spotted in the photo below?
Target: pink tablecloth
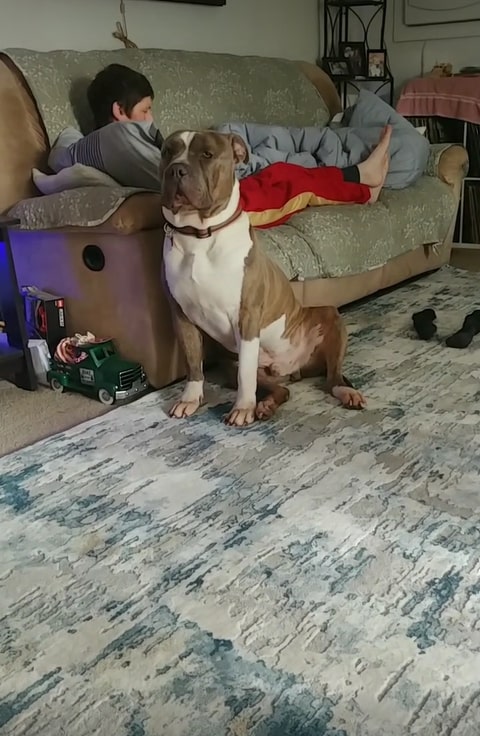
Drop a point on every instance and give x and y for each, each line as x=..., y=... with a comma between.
x=447, y=97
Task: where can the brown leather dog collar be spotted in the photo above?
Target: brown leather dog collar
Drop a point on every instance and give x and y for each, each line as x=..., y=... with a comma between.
x=200, y=233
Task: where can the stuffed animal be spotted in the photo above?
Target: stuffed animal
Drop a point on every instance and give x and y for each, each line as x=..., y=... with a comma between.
x=441, y=70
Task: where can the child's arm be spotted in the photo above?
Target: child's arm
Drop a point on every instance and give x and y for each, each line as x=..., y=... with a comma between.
x=128, y=152
x=60, y=156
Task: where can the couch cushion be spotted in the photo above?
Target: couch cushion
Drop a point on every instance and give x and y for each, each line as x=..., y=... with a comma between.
x=192, y=89
x=343, y=240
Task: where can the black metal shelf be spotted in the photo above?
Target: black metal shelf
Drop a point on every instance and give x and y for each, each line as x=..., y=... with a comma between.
x=353, y=3
x=361, y=78
x=337, y=21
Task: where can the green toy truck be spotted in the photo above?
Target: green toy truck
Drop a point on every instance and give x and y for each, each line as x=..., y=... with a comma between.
x=101, y=374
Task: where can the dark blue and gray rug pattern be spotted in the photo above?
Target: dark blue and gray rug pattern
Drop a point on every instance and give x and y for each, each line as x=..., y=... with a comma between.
x=318, y=575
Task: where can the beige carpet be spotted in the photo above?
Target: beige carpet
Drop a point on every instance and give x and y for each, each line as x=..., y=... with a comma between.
x=28, y=416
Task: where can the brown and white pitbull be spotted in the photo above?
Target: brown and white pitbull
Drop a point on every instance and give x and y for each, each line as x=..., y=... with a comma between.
x=222, y=284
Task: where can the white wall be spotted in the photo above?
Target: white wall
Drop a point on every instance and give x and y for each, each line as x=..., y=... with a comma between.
x=285, y=28
x=458, y=44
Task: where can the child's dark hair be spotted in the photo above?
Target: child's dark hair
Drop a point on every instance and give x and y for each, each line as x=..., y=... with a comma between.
x=116, y=83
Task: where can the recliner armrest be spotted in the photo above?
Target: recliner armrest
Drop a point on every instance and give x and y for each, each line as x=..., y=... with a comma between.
x=449, y=162
x=141, y=211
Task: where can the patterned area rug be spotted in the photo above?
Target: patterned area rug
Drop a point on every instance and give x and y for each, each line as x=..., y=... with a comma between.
x=318, y=575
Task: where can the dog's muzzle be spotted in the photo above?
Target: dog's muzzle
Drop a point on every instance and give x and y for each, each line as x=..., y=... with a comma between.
x=177, y=172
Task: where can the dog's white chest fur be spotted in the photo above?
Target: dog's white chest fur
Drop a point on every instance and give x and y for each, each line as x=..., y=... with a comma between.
x=205, y=278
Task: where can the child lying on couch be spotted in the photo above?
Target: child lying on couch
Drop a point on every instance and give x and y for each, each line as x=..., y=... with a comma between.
x=339, y=145
x=125, y=148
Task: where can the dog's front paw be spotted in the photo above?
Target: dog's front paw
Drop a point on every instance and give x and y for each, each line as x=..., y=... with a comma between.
x=184, y=409
x=190, y=401
x=241, y=416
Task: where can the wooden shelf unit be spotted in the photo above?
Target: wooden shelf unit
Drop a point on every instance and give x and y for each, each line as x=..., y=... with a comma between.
x=453, y=130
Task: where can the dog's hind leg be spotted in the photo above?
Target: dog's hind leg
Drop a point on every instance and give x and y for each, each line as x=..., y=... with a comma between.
x=274, y=395
x=270, y=394
x=334, y=348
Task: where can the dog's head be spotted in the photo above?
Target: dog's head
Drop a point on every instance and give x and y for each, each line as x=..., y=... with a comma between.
x=197, y=171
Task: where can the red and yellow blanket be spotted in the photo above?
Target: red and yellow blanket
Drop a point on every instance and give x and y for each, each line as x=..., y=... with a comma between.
x=277, y=192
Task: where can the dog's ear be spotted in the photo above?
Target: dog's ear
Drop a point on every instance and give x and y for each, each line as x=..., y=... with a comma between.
x=240, y=149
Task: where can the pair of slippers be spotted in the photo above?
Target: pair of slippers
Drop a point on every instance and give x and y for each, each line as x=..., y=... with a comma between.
x=425, y=327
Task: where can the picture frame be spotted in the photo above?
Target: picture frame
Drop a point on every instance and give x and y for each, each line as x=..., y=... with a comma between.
x=376, y=63
x=337, y=68
x=354, y=52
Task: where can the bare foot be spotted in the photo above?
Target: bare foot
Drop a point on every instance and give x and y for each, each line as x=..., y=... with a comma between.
x=373, y=171
x=350, y=397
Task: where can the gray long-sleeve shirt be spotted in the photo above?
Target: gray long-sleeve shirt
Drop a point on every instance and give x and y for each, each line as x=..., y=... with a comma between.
x=128, y=152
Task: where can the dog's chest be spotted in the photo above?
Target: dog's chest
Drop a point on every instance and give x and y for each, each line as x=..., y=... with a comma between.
x=206, y=281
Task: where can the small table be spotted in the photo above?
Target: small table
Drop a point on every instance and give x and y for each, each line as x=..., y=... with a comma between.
x=450, y=109
x=445, y=97
x=15, y=357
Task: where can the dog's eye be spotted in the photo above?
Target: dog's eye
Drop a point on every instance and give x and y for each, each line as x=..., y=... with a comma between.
x=207, y=154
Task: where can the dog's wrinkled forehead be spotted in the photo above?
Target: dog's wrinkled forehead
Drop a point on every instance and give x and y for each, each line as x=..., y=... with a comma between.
x=187, y=145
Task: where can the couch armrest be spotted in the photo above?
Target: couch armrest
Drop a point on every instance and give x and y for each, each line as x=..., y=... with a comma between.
x=139, y=212
x=324, y=86
x=449, y=162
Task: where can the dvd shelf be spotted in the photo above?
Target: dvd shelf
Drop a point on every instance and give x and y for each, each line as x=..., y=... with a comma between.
x=452, y=130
